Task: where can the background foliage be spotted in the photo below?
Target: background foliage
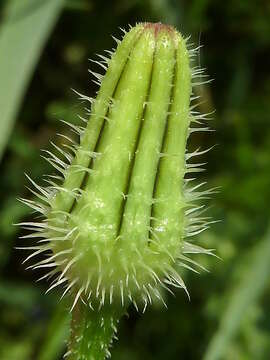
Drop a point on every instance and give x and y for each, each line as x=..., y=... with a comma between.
x=44, y=51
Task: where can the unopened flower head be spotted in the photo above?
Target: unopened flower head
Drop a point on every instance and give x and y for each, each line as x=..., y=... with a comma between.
x=118, y=215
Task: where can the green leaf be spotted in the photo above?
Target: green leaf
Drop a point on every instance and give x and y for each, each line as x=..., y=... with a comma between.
x=25, y=28
x=56, y=336
x=246, y=294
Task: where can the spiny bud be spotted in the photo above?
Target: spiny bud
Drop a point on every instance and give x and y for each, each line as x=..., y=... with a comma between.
x=116, y=224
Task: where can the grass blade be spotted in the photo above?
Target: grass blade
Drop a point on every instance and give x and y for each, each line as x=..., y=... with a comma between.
x=57, y=334
x=24, y=30
x=246, y=294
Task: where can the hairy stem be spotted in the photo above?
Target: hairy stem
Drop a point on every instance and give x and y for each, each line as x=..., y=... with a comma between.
x=92, y=331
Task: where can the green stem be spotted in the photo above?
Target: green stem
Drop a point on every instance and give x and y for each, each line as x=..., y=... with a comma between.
x=92, y=331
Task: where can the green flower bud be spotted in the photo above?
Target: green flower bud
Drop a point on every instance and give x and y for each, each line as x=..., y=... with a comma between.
x=116, y=224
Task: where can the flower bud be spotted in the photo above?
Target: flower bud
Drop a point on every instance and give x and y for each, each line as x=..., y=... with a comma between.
x=116, y=224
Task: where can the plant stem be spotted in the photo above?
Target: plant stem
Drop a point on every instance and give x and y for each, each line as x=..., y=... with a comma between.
x=92, y=331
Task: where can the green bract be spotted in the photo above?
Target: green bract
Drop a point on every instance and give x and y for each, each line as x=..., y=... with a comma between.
x=116, y=223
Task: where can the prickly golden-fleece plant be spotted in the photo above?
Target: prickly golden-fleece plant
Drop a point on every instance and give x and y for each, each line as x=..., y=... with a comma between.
x=118, y=215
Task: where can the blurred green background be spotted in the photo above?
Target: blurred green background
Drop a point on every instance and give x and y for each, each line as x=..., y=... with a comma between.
x=44, y=50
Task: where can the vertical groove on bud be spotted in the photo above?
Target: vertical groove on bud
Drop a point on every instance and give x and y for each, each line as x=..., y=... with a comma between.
x=168, y=210
x=132, y=157
x=139, y=200
x=74, y=178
